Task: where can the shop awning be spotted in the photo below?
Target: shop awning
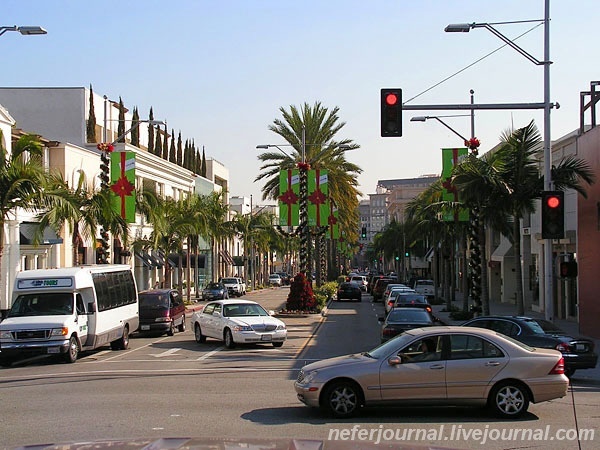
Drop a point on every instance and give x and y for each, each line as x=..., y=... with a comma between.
x=27, y=231
x=504, y=250
x=144, y=257
x=174, y=259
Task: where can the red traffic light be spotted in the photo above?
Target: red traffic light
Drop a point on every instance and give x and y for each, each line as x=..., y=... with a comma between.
x=553, y=201
x=391, y=99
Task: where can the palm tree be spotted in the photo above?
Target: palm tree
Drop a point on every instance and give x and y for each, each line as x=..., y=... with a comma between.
x=321, y=151
x=21, y=179
x=513, y=182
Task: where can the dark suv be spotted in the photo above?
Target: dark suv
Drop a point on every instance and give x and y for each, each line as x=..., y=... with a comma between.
x=161, y=310
x=379, y=288
x=577, y=352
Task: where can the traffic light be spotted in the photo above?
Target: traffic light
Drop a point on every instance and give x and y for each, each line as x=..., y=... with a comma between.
x=397, y=258
x=363, y=233
x=568, y=269
x=406, y=254
x=553, y=215
x=391, y=112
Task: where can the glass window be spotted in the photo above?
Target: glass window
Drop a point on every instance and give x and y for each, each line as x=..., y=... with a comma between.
x=504, y=327
x=422, y=350
x=470, y=347
x=208, y=310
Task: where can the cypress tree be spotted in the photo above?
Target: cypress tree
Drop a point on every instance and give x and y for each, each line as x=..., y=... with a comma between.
x=172, y=151
x=91, y=122
x=179, y=158
x=186, y=155
x=203, y=170
x=198, y=169
x=121, y=128
x=165, y=147
x=135, y=129
x=151, y=133
x=158, y=144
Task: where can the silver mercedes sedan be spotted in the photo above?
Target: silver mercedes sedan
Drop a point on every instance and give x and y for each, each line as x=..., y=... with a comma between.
x=437, y=365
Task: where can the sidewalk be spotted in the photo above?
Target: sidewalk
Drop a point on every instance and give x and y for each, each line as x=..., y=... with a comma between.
x=510, y=309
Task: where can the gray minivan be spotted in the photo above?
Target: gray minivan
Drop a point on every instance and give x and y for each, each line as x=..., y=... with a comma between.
x=162, y=311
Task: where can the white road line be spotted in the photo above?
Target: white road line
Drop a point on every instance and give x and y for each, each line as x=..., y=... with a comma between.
x=167, y=353
x=209, y=354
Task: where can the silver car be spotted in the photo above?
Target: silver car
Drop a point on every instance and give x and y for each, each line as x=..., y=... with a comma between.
x=238, y=322
x=437, y=365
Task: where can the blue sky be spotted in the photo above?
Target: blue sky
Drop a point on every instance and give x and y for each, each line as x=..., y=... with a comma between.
x=218, y=71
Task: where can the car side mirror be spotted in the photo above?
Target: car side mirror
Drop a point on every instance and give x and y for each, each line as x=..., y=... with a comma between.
x=381, y=319
x=217, y=314
x=271, y=312
x=395, y=360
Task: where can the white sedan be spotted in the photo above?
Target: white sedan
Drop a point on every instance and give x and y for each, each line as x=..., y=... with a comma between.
x=238, y=322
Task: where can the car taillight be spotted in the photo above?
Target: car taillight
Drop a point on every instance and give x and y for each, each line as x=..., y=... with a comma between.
x=564, y=348
x=391, y=303
x=389, y=332
x=428, y=308
x=559, y=368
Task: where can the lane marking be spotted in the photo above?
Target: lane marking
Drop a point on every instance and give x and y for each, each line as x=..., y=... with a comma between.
x=209, y=354
x=166, y=353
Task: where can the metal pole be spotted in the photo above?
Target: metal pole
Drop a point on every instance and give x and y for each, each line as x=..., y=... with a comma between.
x=548, y=275
x=472, y=114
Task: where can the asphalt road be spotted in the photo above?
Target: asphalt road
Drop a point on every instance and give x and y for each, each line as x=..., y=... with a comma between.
x=173, y=387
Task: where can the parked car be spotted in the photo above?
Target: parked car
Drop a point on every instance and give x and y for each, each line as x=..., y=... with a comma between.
x=577, y=351
x=233, y=286
x=161, y=310
x=242, y=284
x=275, y=279
x=425, y=287
x=402, y=319
x=215, y=291
x=238, y=322
x=461, y=366
x=349, y=290
x=285, y=278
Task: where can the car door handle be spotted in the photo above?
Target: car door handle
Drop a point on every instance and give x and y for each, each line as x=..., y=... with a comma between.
x=492, y=363
x=436, y=367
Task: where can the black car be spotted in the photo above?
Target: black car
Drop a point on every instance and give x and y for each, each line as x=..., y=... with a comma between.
x=402, y=319
x=349, y=290
x=412, y=300
x=578, y=352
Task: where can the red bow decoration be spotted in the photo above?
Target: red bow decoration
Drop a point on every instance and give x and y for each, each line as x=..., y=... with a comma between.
x=472, y=143
x=303, y=166
x=105, y=147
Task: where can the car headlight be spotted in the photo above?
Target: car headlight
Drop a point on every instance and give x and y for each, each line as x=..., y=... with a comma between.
x=162, y=319
x=5, y=335
x=242, y=328
x=310, y=376
x=281, y=327
x=60, y=331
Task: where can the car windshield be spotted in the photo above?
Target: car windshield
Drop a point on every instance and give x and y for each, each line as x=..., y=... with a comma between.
x=407, y=298
x=425, y=283
x=213, y=286
x=230, y=280
x=387, y=348
x=244, y=309
x=406, y=315
x=154, y=301
x=42, y=304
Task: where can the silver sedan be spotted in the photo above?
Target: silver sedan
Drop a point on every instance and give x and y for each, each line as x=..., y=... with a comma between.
x=437, y=365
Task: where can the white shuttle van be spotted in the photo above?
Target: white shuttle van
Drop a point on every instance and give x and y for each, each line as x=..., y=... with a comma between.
x=64, y=311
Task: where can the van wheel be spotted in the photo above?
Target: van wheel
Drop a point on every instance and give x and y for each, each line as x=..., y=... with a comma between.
x=171, y=331
x=181, y=327
x=200, y=338
x=277, y=344
x=73, y=351
x=123, y=342
x=228, y=338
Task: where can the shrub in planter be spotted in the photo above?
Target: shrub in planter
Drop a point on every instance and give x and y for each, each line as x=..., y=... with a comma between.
x=301, y=296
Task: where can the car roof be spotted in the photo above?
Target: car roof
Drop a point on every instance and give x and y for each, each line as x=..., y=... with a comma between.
x=232, y=301
x=451, y=329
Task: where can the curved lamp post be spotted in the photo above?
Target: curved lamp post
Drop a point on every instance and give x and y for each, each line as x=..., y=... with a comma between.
x=25, y=31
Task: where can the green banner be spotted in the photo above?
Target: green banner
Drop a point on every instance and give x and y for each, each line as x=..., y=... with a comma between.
x=318, y=201
x=289, y=196
x=450, y=158
x=332, y=221
x=122, y=184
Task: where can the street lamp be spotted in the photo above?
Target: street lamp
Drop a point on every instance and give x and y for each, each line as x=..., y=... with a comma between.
x=438, y=118
x=25, y=31
x=466, y=27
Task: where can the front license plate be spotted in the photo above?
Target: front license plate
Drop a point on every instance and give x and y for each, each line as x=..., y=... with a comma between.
x=145, y=327
x=265, y=337
x=53, y=350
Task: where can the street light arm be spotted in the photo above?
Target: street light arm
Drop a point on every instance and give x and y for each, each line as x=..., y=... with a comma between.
x=25, y=31
x=509, y=42
x=449, y=127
